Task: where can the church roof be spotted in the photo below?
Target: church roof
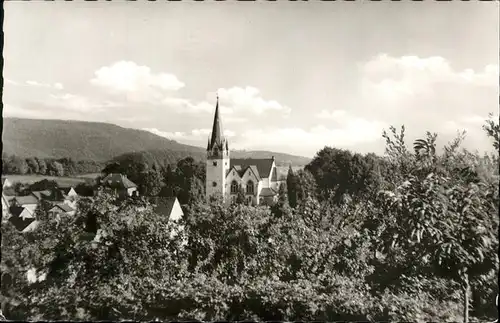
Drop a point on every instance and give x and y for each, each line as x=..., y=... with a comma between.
x=266, y=191
x=217, y=132
x=261, y=166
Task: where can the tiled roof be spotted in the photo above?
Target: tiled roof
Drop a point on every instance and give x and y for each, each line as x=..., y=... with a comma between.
x=263, y=165
x=118, y=181
x=266, y=191
x=23, y=200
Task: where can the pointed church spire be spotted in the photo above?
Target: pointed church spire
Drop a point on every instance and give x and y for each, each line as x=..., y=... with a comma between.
x=217, y=127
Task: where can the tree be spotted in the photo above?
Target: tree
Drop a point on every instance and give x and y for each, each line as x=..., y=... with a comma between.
x=33, y=167
x=291, y=183
x=240, y=196
x=338, y=172
x=443, y=221
x=42, y=166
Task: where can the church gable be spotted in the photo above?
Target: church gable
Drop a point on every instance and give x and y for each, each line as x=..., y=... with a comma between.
x=262, y=166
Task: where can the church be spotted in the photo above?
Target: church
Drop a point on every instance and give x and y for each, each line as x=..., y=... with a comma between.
x=258, y=178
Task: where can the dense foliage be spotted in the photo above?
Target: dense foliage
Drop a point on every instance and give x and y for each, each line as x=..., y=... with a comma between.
x=411, y=236
x=15, y=165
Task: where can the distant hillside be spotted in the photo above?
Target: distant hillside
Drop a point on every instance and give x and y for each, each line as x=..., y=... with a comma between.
x=103, y=141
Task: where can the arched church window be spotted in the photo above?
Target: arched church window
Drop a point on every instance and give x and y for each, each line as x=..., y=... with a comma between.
x=250, y=187
x=215, y=163
x=214, y=184
x=234, y=187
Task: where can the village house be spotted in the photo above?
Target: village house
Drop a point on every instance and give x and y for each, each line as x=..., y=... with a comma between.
x=61, y=208
x=257, y=178
x=29, y=201
x=6, y=183
x=120, y=184
x=22, y=218
x=167, y=206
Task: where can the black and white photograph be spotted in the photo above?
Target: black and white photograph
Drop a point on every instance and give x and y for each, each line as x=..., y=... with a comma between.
x=255, y=161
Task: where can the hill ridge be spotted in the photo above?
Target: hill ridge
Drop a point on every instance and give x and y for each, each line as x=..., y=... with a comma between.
x=103, y=141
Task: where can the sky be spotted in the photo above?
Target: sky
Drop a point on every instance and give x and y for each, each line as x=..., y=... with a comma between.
x=291, y=77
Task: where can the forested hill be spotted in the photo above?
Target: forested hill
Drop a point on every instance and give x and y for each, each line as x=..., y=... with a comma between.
x=102, y=142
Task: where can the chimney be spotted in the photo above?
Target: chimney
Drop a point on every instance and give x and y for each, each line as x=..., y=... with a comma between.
x=272, y=157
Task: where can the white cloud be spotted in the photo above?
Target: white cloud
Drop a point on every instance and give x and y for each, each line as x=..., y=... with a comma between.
x=352, y=132
x=78, y=103
x=57, y=86
x=15, y=111
x=137, y=82
x=248, y=99
x=400, y=77
x=333, y=115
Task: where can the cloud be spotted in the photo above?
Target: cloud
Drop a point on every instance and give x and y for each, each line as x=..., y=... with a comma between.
x=248, y=99
x=57, y=86
x=137, y=82
x=353, y=132
x=15, y=111
x=399, y=77
x=334, y=115
x=78, y=103
x=193, y=135
x=428, y=94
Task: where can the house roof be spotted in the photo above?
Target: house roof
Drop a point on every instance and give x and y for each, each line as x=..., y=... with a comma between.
x=42, y=194
x=23, y=200
x=16, y=211
x=4, y=179
x=115, y=180
x=64, y=207
x=163, y=205
x=266, y=191
x=263, y=165
x=65, y=190
x=21, y=223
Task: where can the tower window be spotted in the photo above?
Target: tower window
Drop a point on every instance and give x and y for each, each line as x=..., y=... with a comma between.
x=215, y=163
x=214, y=184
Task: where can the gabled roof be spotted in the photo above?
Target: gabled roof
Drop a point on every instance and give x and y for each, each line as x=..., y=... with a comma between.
x=66, y=189
x=17, y=211
x=19, y=223
x=62, y=206
x=163, y=205
x=42, y=194
x=263, y=165
x=23, y=200
x=119, y=181
x=4, y=180
x=241, y=171
x=266, y=191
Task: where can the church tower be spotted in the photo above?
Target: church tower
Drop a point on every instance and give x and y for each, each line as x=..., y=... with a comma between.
x=217, y=164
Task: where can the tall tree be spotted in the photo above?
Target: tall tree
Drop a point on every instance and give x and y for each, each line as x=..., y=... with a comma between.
x=291, y=183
